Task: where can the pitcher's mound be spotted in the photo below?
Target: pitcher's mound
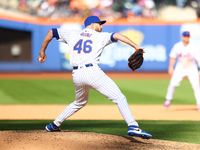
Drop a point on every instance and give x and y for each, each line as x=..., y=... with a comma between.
x=75, y=140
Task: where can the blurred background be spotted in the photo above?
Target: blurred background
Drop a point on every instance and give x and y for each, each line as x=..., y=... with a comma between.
x=155, y=25
x=55, y=9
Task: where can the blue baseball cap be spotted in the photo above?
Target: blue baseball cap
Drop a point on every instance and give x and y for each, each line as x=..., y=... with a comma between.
x=93, y=19
x=186, y=33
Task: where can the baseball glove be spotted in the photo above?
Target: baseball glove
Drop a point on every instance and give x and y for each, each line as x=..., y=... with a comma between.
x=136, y=59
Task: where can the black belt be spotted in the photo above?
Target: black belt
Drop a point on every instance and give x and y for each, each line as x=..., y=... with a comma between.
x=87, y=65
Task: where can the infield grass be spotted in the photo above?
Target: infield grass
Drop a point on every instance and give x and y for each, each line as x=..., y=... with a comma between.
x=180, y=131
x=63, y=92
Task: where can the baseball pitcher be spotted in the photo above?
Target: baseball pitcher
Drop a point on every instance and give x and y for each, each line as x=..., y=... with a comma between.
x=85, y=48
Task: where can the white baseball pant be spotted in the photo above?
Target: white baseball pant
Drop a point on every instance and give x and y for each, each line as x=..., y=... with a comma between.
x=93, y=77
x=177, y=77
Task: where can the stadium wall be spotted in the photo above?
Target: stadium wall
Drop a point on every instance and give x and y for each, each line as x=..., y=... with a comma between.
x=157, y=39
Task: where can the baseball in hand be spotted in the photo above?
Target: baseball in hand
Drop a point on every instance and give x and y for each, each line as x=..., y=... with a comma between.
x=40, y=60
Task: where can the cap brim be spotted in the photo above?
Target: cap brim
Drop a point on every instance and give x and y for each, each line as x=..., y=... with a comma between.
x=102, y=22
x=185, y=35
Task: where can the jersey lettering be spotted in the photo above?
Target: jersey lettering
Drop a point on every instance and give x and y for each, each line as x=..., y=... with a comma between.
x=78, y=46
x=87, y=48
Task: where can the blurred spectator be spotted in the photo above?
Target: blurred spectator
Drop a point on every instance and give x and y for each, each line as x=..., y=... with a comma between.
x=33, y=6
x=149, y=9
x=22, y=5
x=77, y=4
x=92, y=4
x=13, y=4
x=96, y=11
x=136, y=8
x=181, y=3
x=46, y=9
x=111, y=9
x=62, y=10
x=106, y=8
x=140, y=8
x=106, y=4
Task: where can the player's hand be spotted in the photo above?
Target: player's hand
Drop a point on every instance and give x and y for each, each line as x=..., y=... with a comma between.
x=42, y=56
x=171, y=71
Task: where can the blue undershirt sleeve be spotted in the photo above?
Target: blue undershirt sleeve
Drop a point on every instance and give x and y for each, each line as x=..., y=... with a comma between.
x=55, y=33
x=112, y=39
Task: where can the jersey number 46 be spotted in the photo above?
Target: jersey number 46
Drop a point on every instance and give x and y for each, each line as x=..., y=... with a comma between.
x=83, y=45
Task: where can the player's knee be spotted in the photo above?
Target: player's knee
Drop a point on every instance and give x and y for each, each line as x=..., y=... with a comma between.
x=173, y=86
x=79, y=104
x=122, y=99
x=119, y=99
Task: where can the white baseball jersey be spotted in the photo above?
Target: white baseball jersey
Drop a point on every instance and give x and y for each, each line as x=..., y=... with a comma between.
x=186, y=55
x=85, y=47
x=186, y=66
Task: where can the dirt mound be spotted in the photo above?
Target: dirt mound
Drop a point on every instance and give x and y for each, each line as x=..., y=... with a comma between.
x=75, y=140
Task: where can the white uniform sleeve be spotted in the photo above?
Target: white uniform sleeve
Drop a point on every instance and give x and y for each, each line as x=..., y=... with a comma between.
x=107, y=38
x=64, y=35
x=173, y=52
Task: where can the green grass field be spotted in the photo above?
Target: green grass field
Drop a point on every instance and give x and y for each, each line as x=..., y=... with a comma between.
x=136, y=91
x=63, y=92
